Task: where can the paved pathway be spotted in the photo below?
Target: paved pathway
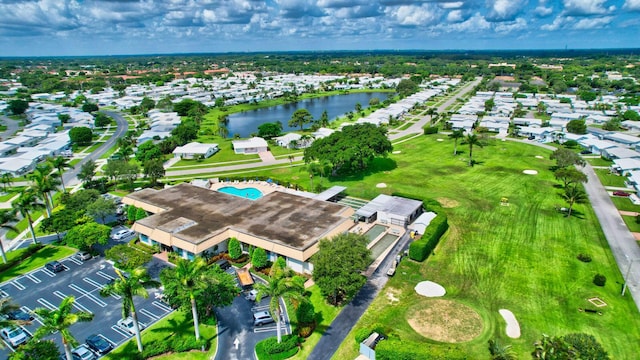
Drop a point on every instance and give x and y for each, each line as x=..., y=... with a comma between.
x=12, y=127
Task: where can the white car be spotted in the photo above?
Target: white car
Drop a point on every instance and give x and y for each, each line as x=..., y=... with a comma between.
x=82, y=352
x=15, y=336
x=127, y=324
x=122, y=234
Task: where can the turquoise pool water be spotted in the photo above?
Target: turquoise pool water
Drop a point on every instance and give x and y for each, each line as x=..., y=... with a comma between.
x=248, y=193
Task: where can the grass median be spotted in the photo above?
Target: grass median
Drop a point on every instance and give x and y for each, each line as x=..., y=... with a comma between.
x=37, y=260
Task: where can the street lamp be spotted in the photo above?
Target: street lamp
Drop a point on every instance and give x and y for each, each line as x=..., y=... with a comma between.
x=626, y=277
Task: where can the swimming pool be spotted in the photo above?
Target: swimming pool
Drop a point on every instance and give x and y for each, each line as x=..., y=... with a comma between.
x=375, y=231
x=248, y=193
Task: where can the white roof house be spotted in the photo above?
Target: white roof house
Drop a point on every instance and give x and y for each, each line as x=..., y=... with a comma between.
x=597, y=146
x=16, y=166
x=253, y=145
x=620, y=153
x=322, y=133
x=625, y=165
x=623, y=139
x=290, y=140
x=193, y=149
x=631, y=125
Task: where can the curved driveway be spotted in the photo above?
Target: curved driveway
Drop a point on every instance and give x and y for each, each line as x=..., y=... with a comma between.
x=12, y=126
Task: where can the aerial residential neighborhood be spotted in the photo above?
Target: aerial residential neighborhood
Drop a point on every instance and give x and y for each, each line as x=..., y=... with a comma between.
x=320, y=180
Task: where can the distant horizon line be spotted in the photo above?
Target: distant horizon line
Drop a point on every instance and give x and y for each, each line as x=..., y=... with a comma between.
x=444, y=51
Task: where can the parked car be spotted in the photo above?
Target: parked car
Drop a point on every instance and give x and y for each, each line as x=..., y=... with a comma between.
x=586, y=152
x=15, y=336
x=99, y=344
x=261, y=318
x=82, y=352
x=83, y=255
x=19, y=315
x=122, y=234
x=251, y=295
x=621, y=193
x=127, y=324
x=54, y=266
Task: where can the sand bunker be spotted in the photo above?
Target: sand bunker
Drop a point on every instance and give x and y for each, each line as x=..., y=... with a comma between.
x=381, y=185
x=397, y=152
x=430, y=289
x=445, y=320
x=447, y=203
x=530, y=172
x=440, y=140
x=513, y=328
x=539, y=157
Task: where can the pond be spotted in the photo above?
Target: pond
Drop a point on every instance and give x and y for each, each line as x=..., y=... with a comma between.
x=247, y=122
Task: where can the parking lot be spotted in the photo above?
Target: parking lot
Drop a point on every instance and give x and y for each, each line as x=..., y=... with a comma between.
x=42, y=288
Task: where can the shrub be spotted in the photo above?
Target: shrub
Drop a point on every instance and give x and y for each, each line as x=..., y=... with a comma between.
x=126, y=257
x=186, y=343
x=305, y=330
x=235, y=251
x=270, y=349
x=584, y=258
x=306, y=312
x=32, y=249
x=419, y=250
x=599, y=279
x=362, y=335
x=430, y=130
x=154, y=348
x=259, y=258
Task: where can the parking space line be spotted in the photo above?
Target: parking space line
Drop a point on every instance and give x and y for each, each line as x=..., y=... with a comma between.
x=149, y=314
x=97, y=285
x=8, y=346
x=48, y=272
x=3, y=293
x=117, y=329
x=259, y=308
x=36, y=318
x=264, y=329
x=17, y=284
x=74, y=260
x=108, y=277
x=162, y=306
x=33, y=278
x=46, y=304
x=75, y=303
x=88, y=295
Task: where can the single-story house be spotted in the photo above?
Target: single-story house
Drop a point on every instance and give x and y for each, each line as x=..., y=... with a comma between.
x=250, y=146
x=543, y=134
x=16, y=166
x=322, y=133
x=597, y=146
x=189, y=220
x=624, y=139
x=620, y=153
x=631, y=125
x=193, y=149
x=624, y=166
x=392, y=210
x=289, y=140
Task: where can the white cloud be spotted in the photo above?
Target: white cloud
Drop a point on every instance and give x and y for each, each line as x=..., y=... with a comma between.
x=585, y=7
x=476, y=23
x=454, y=16
x=633, y=5
x=507, y=27
x=543, y=11
x=593, y=23
x=503, y=10
x=411, y=15
x=557, y=23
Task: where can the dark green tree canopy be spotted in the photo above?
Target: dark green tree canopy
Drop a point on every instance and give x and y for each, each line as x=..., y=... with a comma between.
x=18, y=107
x=406, y=87
x=338, y=265
x=86, y=235
x=148, y=151
x=300, y=118
x=566, y=157
x=101, y=120
x=185, y=106
x=81, y=135
x=631, y=115
x=577, y=126
x=89, y=107
x=269, y=130
x=351, y=149
x=185, y=132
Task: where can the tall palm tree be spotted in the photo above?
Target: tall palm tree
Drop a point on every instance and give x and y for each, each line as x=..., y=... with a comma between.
x=6, y=218
x=455, y=135
x=279, y=287
x=60, y=163
x=471, y=140
x=190, y=276
x=44, y=183
x=6, y=180
x=136, y=284
x=59, y=320
x=25, y=204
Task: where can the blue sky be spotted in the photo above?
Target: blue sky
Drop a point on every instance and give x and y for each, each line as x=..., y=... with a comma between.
x=113, y=27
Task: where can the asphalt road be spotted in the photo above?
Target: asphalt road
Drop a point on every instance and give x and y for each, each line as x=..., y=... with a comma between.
x=70, y=176
x=235, y=324
x=12, y=127
x=44, y=289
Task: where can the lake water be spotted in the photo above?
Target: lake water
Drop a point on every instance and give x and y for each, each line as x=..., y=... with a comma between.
x=247, y=122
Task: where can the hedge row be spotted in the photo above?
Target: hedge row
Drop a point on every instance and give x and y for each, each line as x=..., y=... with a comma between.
x=420, y=249
x=175, y=344
x=406, y=350
x=272, y=350
x=32, y=249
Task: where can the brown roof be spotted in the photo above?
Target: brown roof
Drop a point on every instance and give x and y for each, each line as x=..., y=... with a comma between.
x=195, y=214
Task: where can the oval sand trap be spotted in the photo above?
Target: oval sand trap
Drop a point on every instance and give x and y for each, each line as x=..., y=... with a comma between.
x=513, y=328
x=539, y=157
x=381, y=185
x=397, y=152
x=530, y=172
x=444, y=320
x=439, y=139
x=430, y=289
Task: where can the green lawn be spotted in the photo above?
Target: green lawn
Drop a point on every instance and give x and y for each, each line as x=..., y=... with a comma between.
x=623, y=203
x=176, y=324
x=599, y=161
x=41, y=257
x=631, y=223
x=609, y=179
x=520, y=257
x=226, y=154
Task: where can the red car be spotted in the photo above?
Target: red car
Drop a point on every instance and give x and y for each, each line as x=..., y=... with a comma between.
x=621, y=193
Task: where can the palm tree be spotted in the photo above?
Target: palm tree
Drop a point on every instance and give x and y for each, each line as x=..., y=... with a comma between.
x=7, y=217
x=60, y=163
x=574, y=194
x=45, y=182
x=59, y=320
x=471, y=140
x=190, y=277
x=279, y=287
x=455, y=135
x=500, y=352
x=25, y=204
x=223, y=131
x=136, y=284
x=6, y=180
